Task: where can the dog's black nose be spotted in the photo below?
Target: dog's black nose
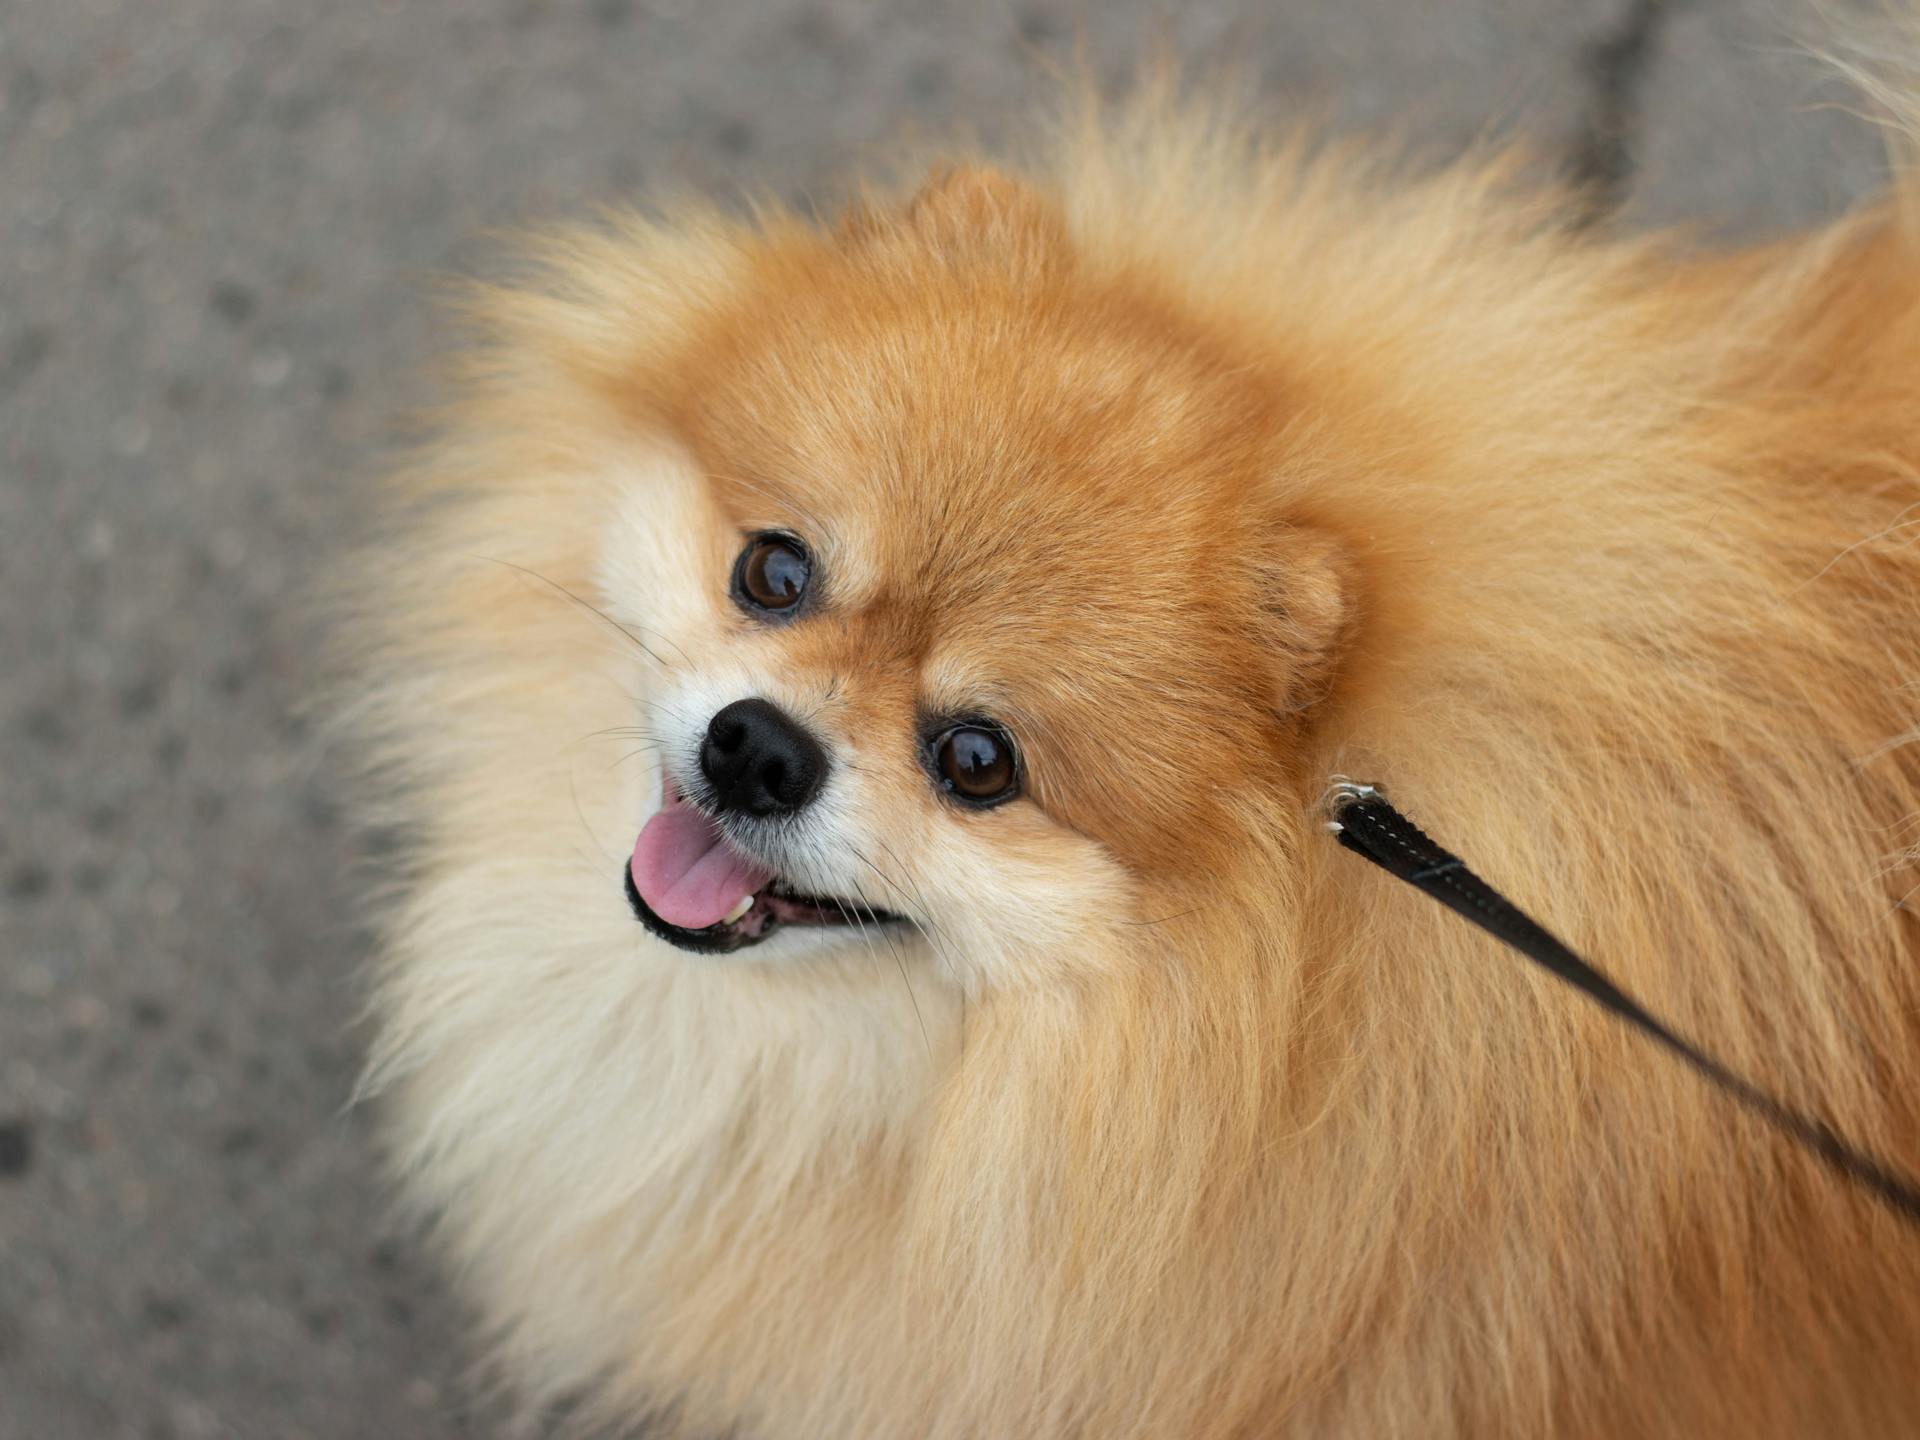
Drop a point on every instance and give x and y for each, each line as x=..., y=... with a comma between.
x=760, y=761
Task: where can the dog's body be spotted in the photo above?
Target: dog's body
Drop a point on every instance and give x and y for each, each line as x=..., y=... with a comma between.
x=1206, y=472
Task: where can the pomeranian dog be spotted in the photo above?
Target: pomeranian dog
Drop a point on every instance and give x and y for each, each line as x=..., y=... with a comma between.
x=859, y=693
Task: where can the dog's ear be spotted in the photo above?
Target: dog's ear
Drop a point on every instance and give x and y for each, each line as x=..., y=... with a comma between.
x=1306, y=606
x=967, y=209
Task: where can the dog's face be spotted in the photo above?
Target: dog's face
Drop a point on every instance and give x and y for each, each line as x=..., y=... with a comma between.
x=968, y=606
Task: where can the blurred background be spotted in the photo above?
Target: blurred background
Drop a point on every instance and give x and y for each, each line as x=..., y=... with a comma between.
x=220, y=222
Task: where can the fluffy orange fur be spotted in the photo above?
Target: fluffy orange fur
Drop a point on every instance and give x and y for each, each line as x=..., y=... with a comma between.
x=1212, y=467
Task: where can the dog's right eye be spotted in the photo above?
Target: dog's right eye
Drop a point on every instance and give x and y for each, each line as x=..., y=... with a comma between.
x=771, y=573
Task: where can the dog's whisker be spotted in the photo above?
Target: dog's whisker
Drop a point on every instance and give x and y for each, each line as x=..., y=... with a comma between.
x=925, y=927
x=646, y=702
x=586, y=605
x=906, y=980
x=660, y=635
x=621, y=731
x=573, y=791
x=919, y=899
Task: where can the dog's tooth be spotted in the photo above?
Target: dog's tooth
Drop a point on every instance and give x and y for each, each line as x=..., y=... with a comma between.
x=744, y=904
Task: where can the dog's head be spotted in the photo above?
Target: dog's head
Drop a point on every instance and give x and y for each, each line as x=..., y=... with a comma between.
x=972, y=600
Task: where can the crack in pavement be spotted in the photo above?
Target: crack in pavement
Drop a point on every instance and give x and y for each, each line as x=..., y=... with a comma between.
x=1603, y=154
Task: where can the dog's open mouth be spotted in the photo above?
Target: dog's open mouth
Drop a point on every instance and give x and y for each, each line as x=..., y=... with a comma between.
x=691, y=888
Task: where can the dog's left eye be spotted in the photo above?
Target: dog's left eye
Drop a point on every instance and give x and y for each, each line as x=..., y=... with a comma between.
x=771, y=573
x=976, y=763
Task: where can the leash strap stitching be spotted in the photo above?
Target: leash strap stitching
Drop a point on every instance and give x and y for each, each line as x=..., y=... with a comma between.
x=1364, y=822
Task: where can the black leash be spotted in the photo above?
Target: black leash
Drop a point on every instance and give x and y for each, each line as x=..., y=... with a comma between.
x=1366, y=824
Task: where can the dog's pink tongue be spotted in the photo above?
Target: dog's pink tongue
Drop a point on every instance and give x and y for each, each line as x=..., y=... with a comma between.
x=686, y=873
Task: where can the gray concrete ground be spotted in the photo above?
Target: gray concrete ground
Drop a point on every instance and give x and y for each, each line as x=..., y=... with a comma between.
x=218, y=219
